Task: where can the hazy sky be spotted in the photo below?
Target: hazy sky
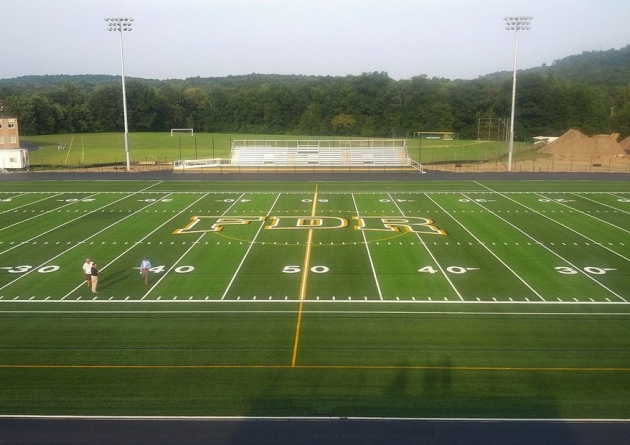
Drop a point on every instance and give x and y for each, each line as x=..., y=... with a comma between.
x=216, y=38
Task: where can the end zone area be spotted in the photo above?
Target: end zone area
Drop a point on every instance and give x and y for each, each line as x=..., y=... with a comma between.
x=371, y=299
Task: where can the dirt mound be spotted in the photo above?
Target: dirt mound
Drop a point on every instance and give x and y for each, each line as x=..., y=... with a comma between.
x=625, y=144
x=577, y=145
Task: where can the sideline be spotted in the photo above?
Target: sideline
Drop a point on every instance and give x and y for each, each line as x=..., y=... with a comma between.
x=326, y=367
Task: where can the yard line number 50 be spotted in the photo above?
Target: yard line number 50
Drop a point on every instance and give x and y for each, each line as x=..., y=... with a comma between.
x=298, y=269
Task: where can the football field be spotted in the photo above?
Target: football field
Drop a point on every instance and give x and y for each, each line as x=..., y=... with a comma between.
x=396, y=299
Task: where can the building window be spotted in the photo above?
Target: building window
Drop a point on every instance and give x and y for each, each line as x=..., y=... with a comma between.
x=13, y=140
x=0, y=125
x=11, y=124
x=1, y=140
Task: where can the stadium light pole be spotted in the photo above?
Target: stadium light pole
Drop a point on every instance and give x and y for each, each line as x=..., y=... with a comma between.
x=420, y=169
x=515, y=24
x=120, y=25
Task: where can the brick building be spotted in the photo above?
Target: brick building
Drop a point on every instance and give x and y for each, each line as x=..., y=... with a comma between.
x=9, y=136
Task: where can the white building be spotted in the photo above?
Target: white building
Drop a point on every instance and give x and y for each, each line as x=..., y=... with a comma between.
x=11, y=159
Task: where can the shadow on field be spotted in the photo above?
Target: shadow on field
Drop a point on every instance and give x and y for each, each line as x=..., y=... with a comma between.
x=119, y=275
x=438, y=391
x=439, y=378
x=370, y=406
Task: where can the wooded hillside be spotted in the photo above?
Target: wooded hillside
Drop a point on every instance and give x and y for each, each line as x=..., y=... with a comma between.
x=589, y=92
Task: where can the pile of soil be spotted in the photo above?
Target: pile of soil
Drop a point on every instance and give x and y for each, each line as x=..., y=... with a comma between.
x=574, y=144
x=625, y=144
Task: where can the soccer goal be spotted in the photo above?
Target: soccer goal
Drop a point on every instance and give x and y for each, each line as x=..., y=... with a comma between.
x=493, y=129
x=175, y=131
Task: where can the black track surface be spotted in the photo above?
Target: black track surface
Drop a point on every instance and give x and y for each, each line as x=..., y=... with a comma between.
x=433, y=175
x=308, y=432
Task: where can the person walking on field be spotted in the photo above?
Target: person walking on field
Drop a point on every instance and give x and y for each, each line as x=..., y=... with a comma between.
x=87, y=270
x=94, y=277
x=144, y=270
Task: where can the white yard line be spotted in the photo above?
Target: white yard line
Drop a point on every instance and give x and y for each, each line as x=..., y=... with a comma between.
x=251, y=244
x=78, y=243
x=30, y=203
x=615, y=194
x=367, y=247
x=61, y=225
x=569, y=228
x=140, y=241
x=481, y=185
x=602, y=204
x=153, y=185
x=45, y=213
x=333, y=312
x=18, y=194
x=72, y=220
x=174, y=265
x=281, y=301
x=546, y=248
x=575, y=210
x=439, y=266
x=193, y=244
x=488, y=249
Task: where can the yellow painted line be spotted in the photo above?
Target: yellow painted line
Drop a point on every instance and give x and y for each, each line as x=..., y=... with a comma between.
x=305, y=268
x=297, y=334
x=323, y=367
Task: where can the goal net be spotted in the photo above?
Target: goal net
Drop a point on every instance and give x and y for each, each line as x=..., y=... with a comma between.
x=188, y=131
x=493, y=129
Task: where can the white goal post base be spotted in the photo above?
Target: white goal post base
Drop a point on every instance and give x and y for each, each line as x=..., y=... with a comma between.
x=189, y=131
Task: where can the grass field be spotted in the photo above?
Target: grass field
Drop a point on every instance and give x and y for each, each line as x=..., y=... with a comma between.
x=108, y=148
x=405, y=299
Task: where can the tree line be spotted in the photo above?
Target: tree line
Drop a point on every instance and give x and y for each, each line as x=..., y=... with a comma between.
x=589, y=92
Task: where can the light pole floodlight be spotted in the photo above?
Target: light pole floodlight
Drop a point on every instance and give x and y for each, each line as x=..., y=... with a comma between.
x=120, y=25
x=515, y=24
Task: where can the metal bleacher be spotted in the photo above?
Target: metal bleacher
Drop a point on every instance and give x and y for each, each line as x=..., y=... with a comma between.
x=325, y=153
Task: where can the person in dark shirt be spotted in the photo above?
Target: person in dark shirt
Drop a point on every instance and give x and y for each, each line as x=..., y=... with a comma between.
x=94, y=274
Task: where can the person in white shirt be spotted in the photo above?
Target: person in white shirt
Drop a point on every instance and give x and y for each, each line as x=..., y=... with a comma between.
x=87, y=270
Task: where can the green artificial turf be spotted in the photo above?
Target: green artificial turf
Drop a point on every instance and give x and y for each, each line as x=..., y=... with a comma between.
x=306, y=303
